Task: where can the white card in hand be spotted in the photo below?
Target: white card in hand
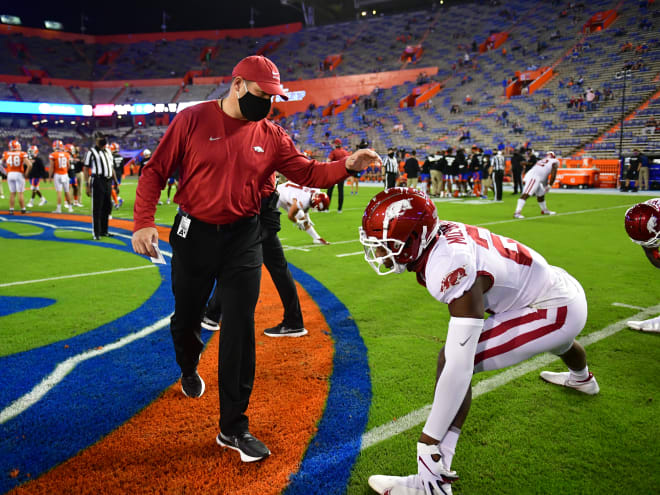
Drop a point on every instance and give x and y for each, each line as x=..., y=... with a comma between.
x=159, y=260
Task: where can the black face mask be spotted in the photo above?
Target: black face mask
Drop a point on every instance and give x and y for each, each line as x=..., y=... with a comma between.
x=252, y=107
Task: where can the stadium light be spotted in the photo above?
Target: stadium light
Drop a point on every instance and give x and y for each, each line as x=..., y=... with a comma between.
x=373, y=12
x=57, y=26
x=10, y=19
x=364, y=13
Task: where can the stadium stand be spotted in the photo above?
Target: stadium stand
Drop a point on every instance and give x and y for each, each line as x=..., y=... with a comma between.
x=470, y=103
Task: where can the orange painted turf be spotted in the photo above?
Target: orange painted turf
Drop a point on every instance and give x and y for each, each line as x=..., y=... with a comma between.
x=170, y=447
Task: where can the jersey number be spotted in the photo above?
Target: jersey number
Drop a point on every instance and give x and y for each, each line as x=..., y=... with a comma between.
x=63, y=162
x=508, y=248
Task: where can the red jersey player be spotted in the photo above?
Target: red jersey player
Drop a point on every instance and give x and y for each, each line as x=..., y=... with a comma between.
x=643, y=227
x=535, y=307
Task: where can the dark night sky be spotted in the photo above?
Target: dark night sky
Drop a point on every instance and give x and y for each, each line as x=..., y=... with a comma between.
x=121, y=16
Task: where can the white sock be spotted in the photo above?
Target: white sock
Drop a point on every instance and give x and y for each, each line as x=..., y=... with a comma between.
x=519, y=205
x=310, y=230
x=580, y=375
x=448, y=445
x=543, y=206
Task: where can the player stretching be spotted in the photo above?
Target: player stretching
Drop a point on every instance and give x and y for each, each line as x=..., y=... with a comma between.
x=15, y=162
x=643, y=228
x=297, y=200
x=535, y=307
x=61, y=161
x=537, y=183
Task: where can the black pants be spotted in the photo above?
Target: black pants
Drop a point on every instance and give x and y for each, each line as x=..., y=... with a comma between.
x=390, y=180
x=277, y=266
x=231, y=255
x=101, y=204
x=340, y=194
x=498, y=178
x=517, y=179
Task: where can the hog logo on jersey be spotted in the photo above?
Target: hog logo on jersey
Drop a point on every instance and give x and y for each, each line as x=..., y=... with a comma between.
x=651, y=225
x=454, y=278
x=396, y=209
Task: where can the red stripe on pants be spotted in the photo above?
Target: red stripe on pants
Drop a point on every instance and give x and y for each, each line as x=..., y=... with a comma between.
x=521, y=340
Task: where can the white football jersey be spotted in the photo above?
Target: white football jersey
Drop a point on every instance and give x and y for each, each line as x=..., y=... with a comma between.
x=520, y=276
x=290, y=191
x=542, y=168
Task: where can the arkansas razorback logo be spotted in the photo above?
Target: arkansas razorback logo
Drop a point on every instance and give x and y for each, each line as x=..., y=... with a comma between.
x=453, y=278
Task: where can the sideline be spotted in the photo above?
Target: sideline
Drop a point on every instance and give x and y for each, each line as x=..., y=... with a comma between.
x=414, y=418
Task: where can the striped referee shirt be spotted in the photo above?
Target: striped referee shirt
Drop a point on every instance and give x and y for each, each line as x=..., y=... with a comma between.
x=498, y=162
x=391, y=165
x=100, y=162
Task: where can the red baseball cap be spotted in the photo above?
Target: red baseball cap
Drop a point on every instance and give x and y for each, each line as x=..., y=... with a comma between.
x=262, y=71
x=337, y=141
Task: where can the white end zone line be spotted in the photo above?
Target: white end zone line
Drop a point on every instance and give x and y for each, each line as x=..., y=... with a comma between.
x=64, y=368
x=349, y=254
x=414, y=418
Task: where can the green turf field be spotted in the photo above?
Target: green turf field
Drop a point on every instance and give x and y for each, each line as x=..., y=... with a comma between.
x=524, y=436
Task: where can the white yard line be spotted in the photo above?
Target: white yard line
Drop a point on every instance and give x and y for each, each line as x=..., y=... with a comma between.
x=538, y=217
x=414, y=418
x=64, y=368
x=75, y=275
x=630, y=306
x=349, y=254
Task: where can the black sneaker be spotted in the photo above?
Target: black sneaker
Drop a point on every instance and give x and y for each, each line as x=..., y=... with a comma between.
x=282, y=330
x=209, y=324
x=250, y=448
x=193, y=385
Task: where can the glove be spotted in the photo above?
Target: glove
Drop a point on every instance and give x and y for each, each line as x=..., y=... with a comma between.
x=301, y=225
x=432, y=474
x=547, y=188
x=301, y=216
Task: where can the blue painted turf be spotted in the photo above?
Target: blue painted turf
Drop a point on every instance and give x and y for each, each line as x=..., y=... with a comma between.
x=15, y=304
x=326, y=467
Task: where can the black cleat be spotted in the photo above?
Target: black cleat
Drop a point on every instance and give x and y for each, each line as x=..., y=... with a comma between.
x=192, y=385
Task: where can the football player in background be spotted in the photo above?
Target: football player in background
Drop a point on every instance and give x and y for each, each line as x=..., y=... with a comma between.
x=538, y=184
x=642, y=223
x=76, y=175
x=16, y=165
x=534, y=307
x=37, y=172
x=297, y=200
x=172, y=181
x=118, y=165
x=60, y=161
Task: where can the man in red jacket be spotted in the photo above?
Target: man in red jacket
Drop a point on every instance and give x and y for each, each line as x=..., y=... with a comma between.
x=225, y=151
x=338, y=153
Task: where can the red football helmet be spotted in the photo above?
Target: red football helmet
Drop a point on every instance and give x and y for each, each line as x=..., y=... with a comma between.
x=33, y=151
x=114, y=147
x=643, y=223
x=403, y=222
x=14, y=145
x=320, y=201
x=58, y=145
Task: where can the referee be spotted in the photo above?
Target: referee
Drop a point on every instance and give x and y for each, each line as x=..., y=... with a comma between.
x=99, y=172
x=391, y=168
x=498, y=174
